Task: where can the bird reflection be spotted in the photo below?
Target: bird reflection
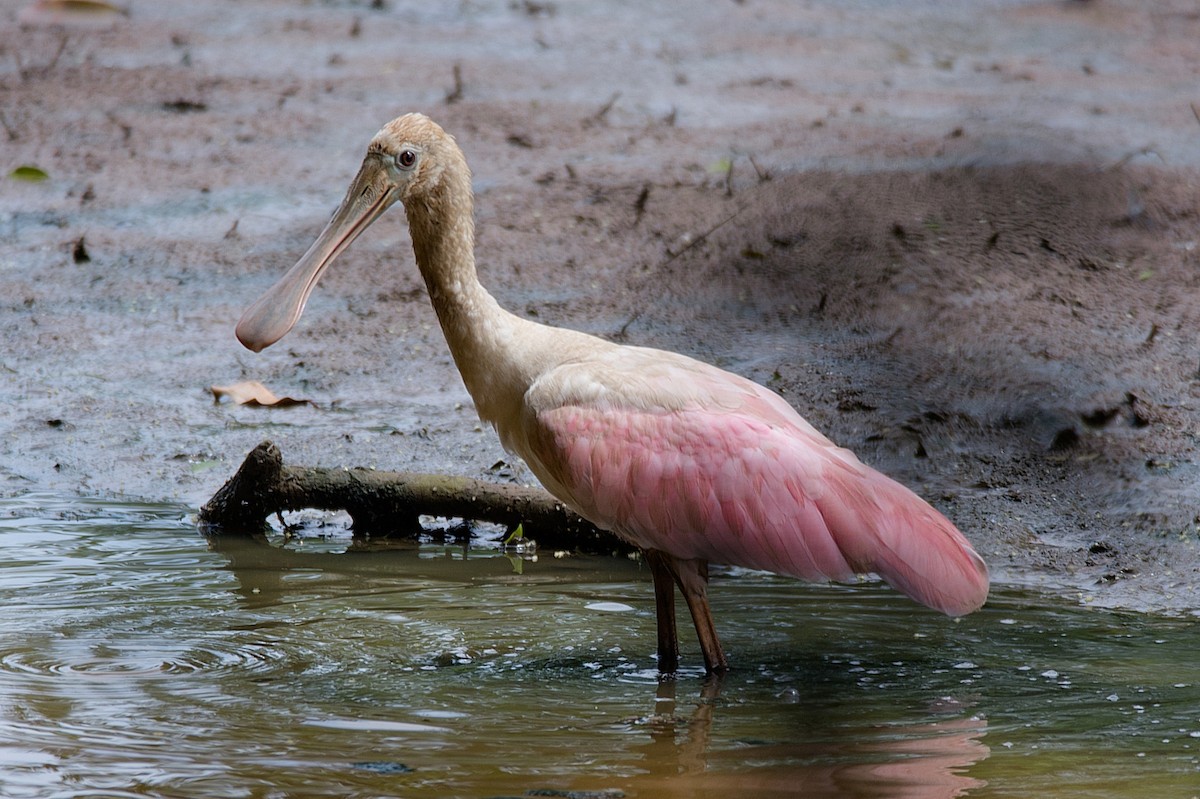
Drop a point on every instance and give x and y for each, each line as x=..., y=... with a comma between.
x=923, y=760
x=689, y=744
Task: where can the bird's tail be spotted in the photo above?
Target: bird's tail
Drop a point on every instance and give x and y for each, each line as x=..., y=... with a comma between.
x=899, y=536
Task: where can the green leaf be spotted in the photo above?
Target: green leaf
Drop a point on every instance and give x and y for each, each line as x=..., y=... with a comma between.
x=516, y=535
x=720, y=166
x=28, y=173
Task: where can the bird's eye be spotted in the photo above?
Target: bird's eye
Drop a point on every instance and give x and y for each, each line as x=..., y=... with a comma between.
x=405, y=159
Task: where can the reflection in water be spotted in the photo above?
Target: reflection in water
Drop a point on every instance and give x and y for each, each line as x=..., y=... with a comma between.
x=136, y=660
x=919, y=761
x=923, y=760
x=268, y=574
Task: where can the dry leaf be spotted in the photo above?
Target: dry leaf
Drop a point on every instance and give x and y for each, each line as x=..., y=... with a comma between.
x=252, y=392
x=69, y=12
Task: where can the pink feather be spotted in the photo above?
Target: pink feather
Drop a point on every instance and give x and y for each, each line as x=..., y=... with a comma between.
x=724, y=470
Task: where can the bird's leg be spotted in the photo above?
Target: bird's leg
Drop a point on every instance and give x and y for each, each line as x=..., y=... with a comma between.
x=692, y=576
x=664, y=601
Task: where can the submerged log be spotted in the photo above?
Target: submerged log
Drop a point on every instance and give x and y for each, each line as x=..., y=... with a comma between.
x=390, y=503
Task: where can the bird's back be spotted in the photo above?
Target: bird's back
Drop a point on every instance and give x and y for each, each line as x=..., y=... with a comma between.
x=679, y=456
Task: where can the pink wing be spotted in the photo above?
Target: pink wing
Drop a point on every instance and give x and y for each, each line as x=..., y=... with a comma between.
x=752, y=486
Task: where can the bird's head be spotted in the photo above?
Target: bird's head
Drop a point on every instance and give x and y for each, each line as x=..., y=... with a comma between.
x=411, y=160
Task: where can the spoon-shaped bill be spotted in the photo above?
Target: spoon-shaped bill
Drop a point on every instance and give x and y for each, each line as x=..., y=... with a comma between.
x=279, y=308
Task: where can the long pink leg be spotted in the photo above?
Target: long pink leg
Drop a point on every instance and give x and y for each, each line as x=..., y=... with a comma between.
x=664, y=600
x=692, y=576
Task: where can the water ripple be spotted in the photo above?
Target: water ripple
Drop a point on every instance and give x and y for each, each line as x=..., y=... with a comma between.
x=128, y=646
x=106, y=661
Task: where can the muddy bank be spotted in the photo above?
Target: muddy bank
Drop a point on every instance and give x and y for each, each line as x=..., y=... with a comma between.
x=967, y=251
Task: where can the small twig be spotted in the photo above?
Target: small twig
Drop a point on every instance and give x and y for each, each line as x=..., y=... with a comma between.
x=62, y=47
x=623, y=332
x=598, y=117
x=456, y=94
x=672, y=256
x=28, y=72
x=763, y=174
x=639, y=205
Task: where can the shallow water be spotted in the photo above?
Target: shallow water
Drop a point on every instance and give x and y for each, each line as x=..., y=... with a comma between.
x=138, y=658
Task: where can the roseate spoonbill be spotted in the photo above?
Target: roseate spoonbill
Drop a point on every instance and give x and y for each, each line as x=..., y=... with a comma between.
x=690, y=463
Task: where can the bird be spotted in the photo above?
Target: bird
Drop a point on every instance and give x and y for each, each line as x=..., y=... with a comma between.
x=689, y=463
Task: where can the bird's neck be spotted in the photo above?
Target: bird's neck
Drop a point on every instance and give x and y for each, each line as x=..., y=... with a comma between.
x=444, y=246
x=479, y=332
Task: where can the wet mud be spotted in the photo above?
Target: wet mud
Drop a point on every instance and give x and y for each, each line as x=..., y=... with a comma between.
x=962, y=241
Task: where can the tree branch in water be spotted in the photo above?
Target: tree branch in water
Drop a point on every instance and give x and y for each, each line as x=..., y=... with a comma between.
x=389, y=504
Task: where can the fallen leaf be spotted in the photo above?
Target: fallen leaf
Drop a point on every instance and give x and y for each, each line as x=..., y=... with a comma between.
x=29, y=174
x=252, y=392
x=66, y=12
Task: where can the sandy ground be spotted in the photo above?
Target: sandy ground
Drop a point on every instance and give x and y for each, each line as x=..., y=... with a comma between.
x=960, y=238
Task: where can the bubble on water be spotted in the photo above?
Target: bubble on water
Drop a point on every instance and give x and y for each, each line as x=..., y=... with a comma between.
x=1113, y=698
x=1050, y=674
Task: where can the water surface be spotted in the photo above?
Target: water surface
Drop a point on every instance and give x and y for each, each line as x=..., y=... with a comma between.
x=139, y=658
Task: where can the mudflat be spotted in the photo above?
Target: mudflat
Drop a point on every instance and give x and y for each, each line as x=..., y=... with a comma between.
x=961, y=240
